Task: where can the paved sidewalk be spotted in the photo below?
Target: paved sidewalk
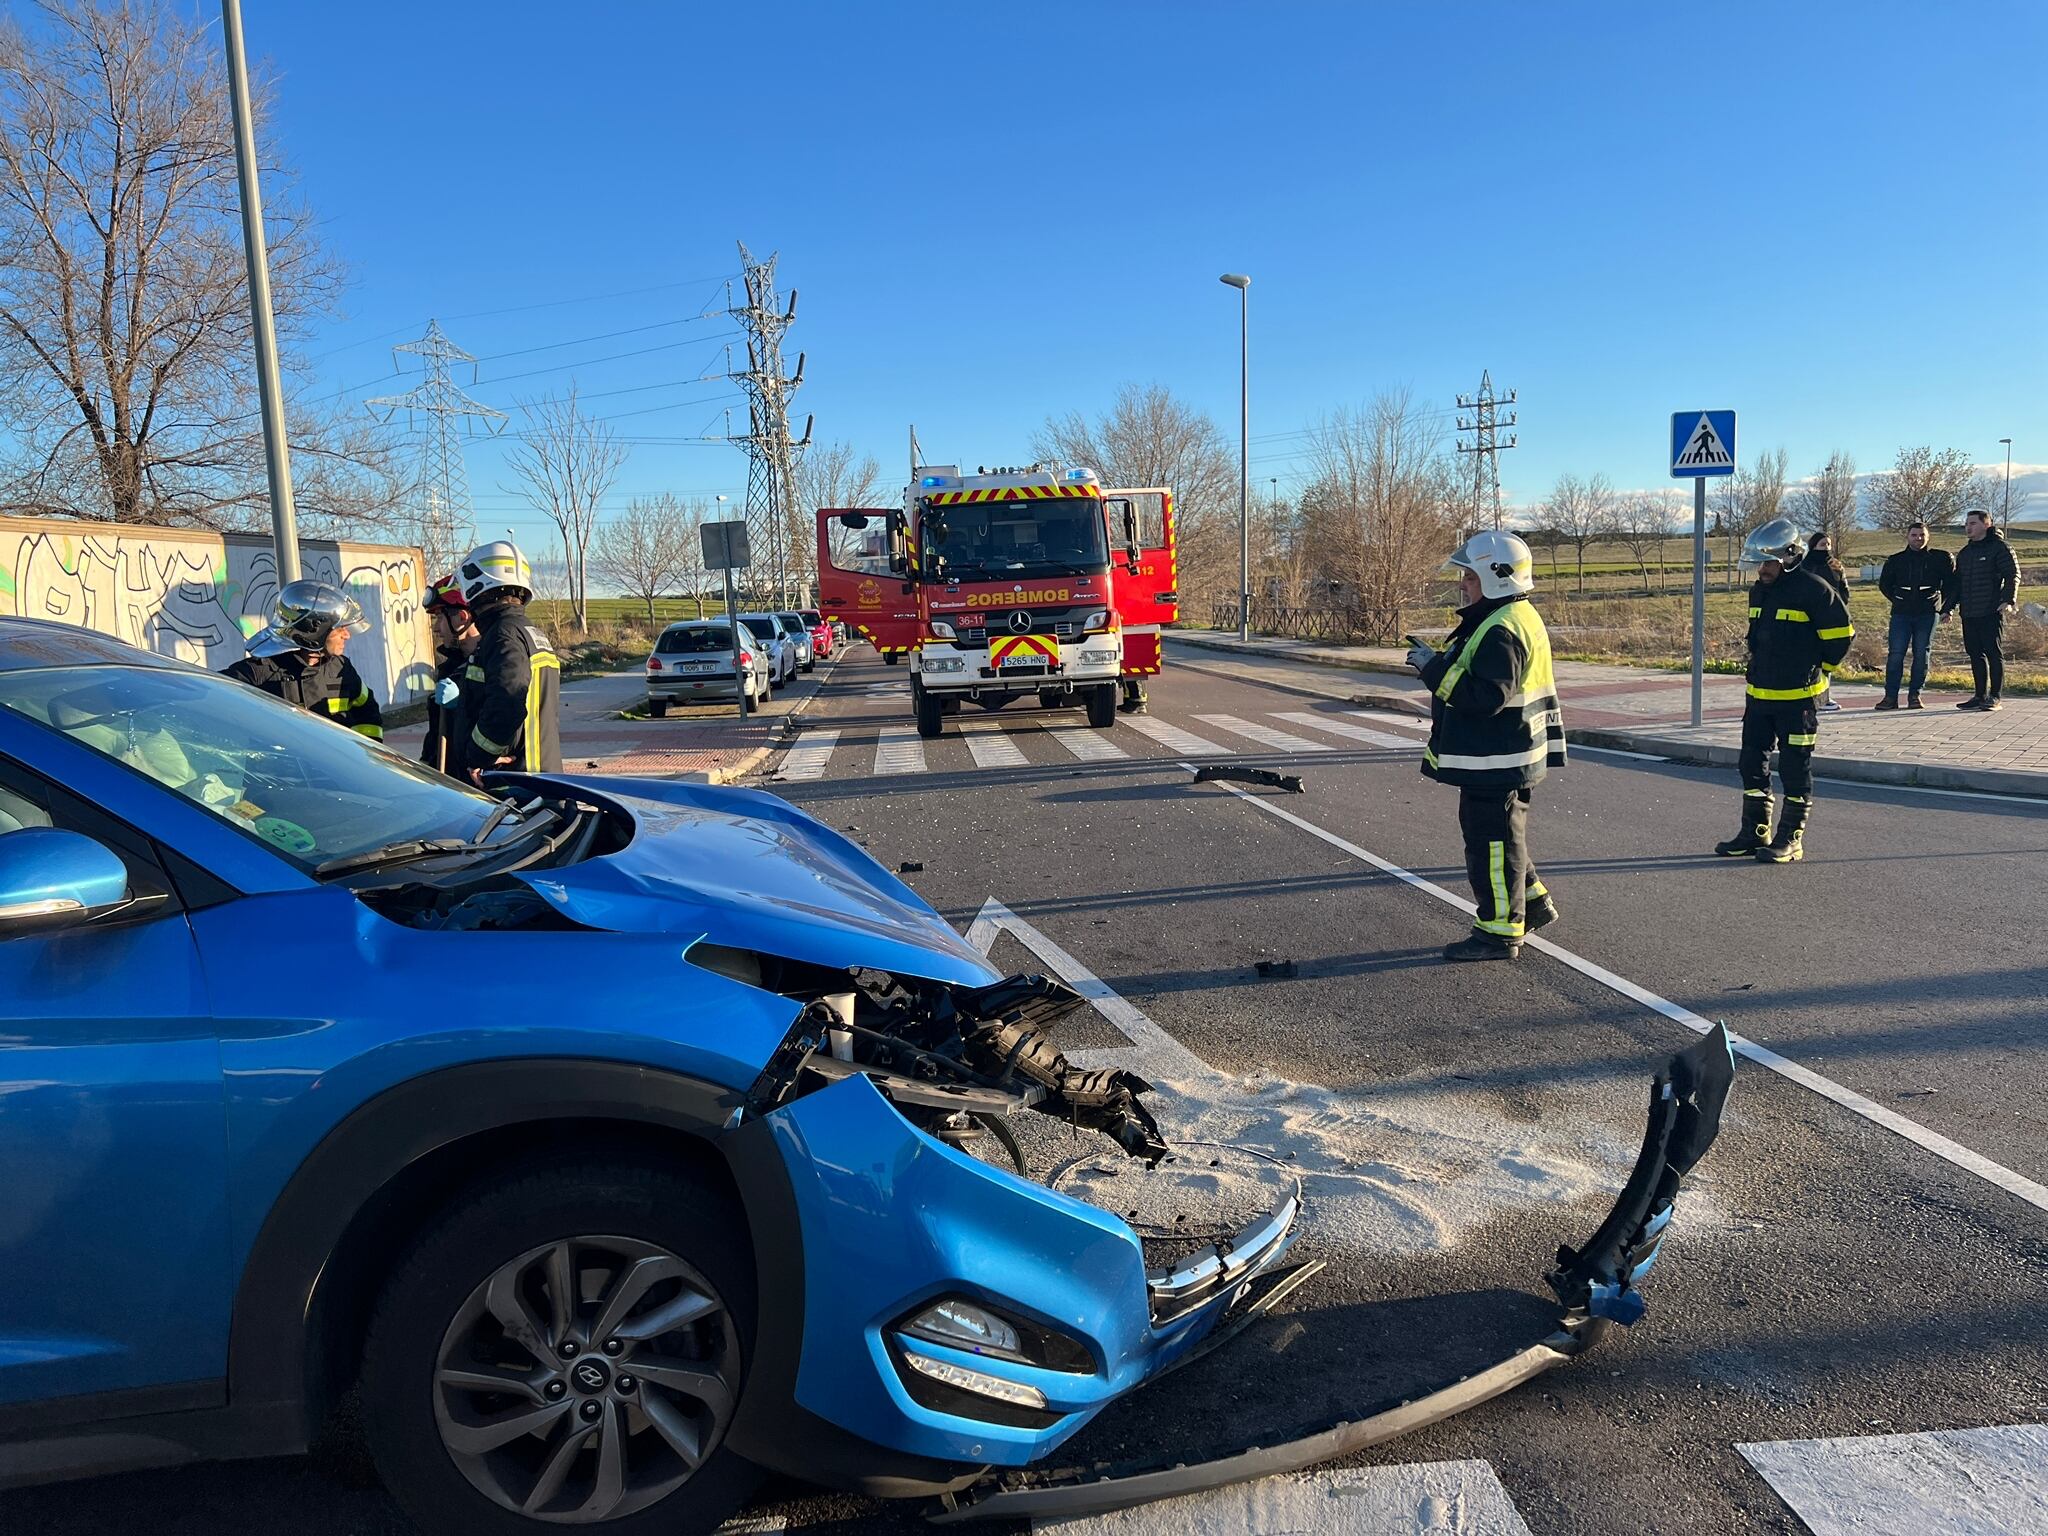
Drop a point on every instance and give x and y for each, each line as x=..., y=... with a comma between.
x=705, y=742
x=1644, y=709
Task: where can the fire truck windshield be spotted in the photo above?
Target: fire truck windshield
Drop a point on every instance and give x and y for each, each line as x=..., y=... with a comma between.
x=1015, y=538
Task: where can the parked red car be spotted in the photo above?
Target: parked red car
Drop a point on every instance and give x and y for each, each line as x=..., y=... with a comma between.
x=821, y=631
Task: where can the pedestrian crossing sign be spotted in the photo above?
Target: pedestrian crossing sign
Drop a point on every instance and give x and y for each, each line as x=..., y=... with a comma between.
x=1702, y=443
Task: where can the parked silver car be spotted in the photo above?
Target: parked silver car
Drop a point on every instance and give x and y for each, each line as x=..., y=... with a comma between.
x=783, y=659
x=693, y=660
x=794, y=626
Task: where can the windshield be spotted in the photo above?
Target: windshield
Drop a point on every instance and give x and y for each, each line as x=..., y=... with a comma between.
x=305, y=788
x=1016, y=538
x=763, y=628
x=685, y=642
x=813, y=618
x=792, y=623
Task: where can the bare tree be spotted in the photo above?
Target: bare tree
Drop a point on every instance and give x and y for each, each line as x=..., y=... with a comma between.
x=1926, y=486
x=1382, y=507
x=639, y=550
x=126, y=358
x=1583, y=512
x=830, y=476
x=691, y=575
x=1642, y=521
x=565, y=461
x=1826, y=502
x=1148, y=437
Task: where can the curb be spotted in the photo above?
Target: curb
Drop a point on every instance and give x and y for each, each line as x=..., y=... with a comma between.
x=1231, y=647
x=1347, y=691
x=1860, y=770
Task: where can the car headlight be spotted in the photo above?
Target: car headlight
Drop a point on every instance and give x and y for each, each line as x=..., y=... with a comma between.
x=980, y=1383
x=941, y=630
x=1099, y=619
x=958, y=1323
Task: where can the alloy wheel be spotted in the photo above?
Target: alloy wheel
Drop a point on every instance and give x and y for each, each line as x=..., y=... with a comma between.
x=586, y=1379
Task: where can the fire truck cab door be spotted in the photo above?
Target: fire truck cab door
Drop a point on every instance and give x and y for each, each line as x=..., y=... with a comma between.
x=857, y=546
x=1146, y=569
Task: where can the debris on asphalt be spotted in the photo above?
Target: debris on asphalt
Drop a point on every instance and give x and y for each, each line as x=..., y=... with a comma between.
x=910, y=867
x=1291, y=782
x=1274, y=967
x=1919, y=1093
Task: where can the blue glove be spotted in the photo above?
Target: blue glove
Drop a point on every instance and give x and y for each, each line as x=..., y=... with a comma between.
x=1420, y=656
x=446, y=694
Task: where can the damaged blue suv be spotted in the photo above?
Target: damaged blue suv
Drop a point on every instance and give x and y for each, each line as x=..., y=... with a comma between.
x=612, y=1140
x=615, y=1138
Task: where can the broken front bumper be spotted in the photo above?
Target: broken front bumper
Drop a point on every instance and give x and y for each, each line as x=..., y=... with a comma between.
x=887, y=1223
x=1595, y=1284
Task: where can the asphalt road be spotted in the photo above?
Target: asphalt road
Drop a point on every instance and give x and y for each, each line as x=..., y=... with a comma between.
x=1826, y=1276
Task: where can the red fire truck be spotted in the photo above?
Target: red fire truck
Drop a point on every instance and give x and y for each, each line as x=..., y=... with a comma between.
x=1007, y=584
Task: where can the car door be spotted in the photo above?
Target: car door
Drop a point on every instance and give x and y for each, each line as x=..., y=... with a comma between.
x=113, y=1224
x=1146, y=586
x=857, y=547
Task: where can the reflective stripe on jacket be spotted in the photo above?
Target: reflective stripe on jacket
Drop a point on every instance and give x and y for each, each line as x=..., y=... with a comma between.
x=1799, y=631
x=1494, y=715
x=331, y=688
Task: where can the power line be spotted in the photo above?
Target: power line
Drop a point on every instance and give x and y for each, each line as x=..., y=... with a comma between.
x=520, y=309
x=441, y=510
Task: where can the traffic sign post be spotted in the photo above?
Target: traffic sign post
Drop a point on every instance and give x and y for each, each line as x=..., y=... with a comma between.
x=1702, y=446
x=726, y=550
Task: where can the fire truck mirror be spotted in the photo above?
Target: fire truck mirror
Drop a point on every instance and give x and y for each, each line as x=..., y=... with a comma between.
x=854, y=519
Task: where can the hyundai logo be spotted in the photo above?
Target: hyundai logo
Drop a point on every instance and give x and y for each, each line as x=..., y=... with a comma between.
x=1020, y=623
x=590, y=1376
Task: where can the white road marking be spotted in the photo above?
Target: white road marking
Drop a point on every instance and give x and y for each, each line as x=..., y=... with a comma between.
x=1953, y=1482
x=1086, y=743
x=807, y=759
x=1429, y=1498
x=1641, y=757
x=1388, y=717
x=1932, y=1141
x=1946, y=794
x=991, y=748
x=1264, y=735
x=1174, y=739
x=898, y=749
x=1336, y=725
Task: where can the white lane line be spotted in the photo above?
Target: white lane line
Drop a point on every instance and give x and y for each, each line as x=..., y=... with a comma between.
x=1946, y=794
x=1388, y=717
x=1174, y=739
x=1086, y=743
x=1429, y=1498
x=807, y=759
x=1952, y=1482
x=1337, y=726
x=1264, y=735
x=1152, y=1050
x=1641, y=757
x=991, y=748
x=1932, y=1141
x=898, y=749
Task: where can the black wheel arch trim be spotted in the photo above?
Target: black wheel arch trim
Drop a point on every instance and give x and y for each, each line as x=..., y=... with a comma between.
x=271, y=1359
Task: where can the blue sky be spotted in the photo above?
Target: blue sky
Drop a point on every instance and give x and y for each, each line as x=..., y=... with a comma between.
x=1828, y=216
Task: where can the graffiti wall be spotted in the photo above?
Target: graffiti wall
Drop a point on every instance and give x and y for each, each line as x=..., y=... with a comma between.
x=200, y=596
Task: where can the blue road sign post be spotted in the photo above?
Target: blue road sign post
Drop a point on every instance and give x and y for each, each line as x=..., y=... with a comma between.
x=1702, y=446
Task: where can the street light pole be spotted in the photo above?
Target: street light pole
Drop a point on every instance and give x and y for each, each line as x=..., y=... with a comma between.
x=2006, y=515
x=284, y=528
x=1243, y=285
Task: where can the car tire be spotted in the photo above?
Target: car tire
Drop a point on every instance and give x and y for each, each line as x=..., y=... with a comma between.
x=1102, y=706
x=491, y=1252
x=657, y=708
x=890, y=658
x=810, y=666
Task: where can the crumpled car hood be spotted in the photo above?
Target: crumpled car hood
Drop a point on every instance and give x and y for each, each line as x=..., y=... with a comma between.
x=745, y=869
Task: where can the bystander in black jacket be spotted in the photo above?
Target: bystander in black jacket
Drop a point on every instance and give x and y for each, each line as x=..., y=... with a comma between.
x=1986, y=577
x=329, y=686
x=1912, y=579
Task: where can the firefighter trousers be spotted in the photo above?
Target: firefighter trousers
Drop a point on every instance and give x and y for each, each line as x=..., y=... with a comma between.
x=1504, y=881
x=1792, y=729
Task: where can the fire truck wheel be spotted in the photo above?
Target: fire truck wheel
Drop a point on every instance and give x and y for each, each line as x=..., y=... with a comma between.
x=931, y=718
x=1102, y=706
x=891, y=658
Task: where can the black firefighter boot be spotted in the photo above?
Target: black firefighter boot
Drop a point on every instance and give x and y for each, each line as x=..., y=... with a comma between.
x=1786, y=848
x=1756, y=829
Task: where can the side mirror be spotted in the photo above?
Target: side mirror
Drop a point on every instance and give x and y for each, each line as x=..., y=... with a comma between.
x=854, y=520
x=55, y=879
x=899, y=545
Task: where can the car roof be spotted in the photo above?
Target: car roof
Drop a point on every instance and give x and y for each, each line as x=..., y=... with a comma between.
x=26, y=643
x=694, y=623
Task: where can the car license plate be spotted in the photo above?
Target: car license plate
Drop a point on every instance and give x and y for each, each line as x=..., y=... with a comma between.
x=700, y=666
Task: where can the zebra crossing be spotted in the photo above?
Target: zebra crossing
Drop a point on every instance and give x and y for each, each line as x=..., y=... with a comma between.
x=1021, y=741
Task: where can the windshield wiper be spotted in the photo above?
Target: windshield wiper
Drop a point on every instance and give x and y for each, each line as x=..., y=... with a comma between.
x=394, y=853
x=504, y=808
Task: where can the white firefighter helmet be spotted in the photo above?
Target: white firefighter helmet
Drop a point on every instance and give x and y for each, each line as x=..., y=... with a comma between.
x=494, y=567
x=1501, y=561
x=305, y=613
x=1777, y=540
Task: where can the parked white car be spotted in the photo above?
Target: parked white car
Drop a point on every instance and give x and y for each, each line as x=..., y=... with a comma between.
x=794, y=626
x=693, y=660
x=781, y=647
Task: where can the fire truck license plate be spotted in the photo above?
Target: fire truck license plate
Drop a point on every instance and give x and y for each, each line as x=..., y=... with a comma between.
x=1023, y=661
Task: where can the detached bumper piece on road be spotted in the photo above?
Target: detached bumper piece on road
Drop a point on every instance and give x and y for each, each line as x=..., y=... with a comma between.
x=1596, y=1285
